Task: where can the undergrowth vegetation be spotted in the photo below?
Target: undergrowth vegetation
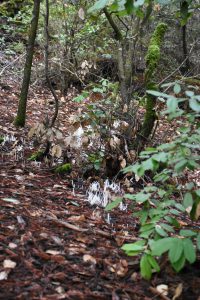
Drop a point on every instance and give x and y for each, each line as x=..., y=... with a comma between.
x=114, y=65
x=171, y=195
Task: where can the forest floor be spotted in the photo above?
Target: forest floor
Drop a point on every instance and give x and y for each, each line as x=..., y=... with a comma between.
x=53, y=244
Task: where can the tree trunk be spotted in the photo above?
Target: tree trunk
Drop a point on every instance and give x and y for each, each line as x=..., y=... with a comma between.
x=152, y=59
x=21, y=113
x=124, y=61
x=186, y=59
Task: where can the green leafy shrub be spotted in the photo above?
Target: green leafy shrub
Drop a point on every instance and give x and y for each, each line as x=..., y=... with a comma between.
x=66, y=168
x=168, y=198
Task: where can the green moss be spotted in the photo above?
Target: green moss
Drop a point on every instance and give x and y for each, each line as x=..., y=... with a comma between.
x=19, y=121
x=1, y=139
x=66, y=168
x=36, y=156
x=153, y=54
x=152, y=59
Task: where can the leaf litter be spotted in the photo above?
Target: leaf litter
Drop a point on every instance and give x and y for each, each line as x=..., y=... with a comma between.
x=54, y=244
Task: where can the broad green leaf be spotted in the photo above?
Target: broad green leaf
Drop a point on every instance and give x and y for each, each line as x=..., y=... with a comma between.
x=188, y=200
x=143, y=217
x=180, y=207
x=172, y=221
x=160, y=231
x=161, y=246
x=187, y=233
x=129, y=196
x=194, y=105
x=161, y=177
x=145, y=267
x=189, y=93
x=197, y=192
x=167, y=227
x=192, y=164
x=158, y=94
x=100, y=4
x=178, y=265
x=161, y=157
x=148, y=164
x=137, y=246
x=172, y=104
x=141, y=197
x=190, y=185
x=129, y=6
x=177, y=88
x=180, y=166
x=138, y=3
x=176, y=250
x=189, y=250
x=113, y=204
x=140, y=171
x=147, y=227
x=175, y=212
x=149, y=150
x=146, y=234
x=153, y=263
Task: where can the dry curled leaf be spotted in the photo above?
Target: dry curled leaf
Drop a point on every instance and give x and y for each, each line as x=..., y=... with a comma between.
x=4, y=274
x=123, y=163
x=178, y=291
x=77, y=218
x=81, y=13
x=9, y=264
x=89, y=258
x=53, y=252
x=56, y=151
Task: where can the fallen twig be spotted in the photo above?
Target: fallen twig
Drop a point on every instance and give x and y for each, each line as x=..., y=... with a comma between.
x=67, y=225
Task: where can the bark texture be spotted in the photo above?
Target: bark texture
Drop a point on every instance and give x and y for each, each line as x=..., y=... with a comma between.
x=152, y=60
x=21, y=113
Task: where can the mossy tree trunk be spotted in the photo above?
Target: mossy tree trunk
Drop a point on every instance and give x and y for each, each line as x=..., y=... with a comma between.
x=21, y=113
x=152, y=59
